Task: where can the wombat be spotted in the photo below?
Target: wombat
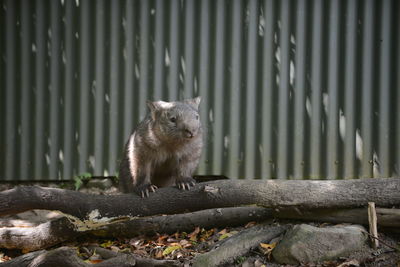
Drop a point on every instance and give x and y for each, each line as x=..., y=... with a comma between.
x=164, y=149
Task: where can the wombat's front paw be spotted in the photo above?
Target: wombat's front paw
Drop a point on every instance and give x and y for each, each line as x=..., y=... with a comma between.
x=144, y=189
x=185, y=183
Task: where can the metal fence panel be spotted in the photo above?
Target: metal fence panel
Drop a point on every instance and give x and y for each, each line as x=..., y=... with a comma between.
x=291, y=89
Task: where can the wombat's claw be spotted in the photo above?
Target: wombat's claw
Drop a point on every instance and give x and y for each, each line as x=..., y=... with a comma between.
x=145, y=189
x=185, y=183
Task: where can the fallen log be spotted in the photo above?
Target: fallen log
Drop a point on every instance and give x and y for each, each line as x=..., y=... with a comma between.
x=54, y=232
x=91, y=211
x=67, y=257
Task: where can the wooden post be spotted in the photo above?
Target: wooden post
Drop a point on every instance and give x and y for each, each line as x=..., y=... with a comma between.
x=373, y=228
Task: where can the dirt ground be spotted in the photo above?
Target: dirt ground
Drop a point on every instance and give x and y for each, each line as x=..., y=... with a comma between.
x=184, y=246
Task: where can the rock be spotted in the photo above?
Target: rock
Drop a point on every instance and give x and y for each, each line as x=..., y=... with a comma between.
x=308, y=244
x=100, y=183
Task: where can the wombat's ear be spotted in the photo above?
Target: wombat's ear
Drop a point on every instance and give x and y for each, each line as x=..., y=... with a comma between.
x=153, y=108
x=151, y=105
x=195, y=102
x=158, y=106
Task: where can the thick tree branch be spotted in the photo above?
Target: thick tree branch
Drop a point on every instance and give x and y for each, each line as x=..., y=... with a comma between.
x=303, y=194
x=238, y=245
x=67, y=257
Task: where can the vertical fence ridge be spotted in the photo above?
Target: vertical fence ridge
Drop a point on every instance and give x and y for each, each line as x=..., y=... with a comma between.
x=26, y=124
x=251, y=87
x=114, y=85
x=189, y=48
x=397, y=85
x=300, y=90
x=159, y=57
x=350, y=75
x=99, y=88
x=316, y=87
x=10, y=153
x=333, y=90
x=40, y=86
x=234, y=136
x=367, y=83
x=204, y=72
x=130, y=85
x=268, y=88
x=69, y=92
x=2, y=85
x=174, y=48
x=219, y=89
x=284, y=83
x=144, y=57
x=84, y=87
x=55, y=88
x=384, y=85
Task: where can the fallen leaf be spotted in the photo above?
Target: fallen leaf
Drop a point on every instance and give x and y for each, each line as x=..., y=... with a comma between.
x=206, y=234
x=95, y=256
x=136, y=242
x=179, y=255
x=171, y=240
x=351, y=263
x=224, y=236
x=266, y=249
x=171, y=249
x=4, y=258
x=223, y=231
x=193, y=235
x=183, y=235
x=161, y=239
x=115, y=248
x=250, y=224
x=268, y=246
x=95, y=261
x=159, y=254
x=259, y=263
x=185, y=244
x=107, y=244
x=125, y=250
x=140, y=252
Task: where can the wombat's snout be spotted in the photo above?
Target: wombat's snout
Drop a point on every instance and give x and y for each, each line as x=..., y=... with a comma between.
x=189, y=133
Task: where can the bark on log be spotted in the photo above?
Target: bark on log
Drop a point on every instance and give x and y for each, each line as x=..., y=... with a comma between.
x=303, y=194
x=387, y=218
x=67, y=257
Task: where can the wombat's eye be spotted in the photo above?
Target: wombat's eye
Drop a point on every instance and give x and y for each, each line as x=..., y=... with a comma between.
x=172, y=119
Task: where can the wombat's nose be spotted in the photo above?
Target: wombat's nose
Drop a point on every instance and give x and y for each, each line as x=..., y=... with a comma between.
x=188, y=133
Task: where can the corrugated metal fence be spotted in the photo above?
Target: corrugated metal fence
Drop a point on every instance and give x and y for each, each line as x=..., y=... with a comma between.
x=291, y=89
